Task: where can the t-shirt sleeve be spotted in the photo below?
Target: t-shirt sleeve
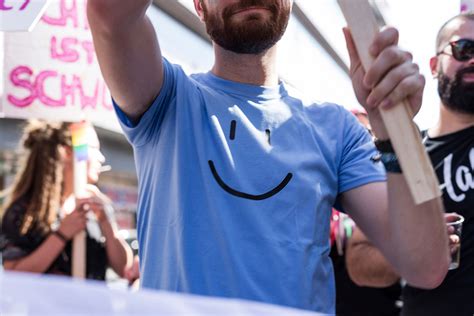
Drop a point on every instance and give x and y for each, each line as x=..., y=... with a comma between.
x=356, y=167
x=139, y=133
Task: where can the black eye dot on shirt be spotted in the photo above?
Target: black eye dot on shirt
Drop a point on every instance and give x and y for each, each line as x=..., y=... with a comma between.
x=233, y=126
x=267, y=131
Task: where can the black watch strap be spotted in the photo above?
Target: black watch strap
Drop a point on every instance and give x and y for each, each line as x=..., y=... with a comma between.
x=384, y=146
x=389, y=160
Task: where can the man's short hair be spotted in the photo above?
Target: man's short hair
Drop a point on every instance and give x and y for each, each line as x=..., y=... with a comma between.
x=443, y=31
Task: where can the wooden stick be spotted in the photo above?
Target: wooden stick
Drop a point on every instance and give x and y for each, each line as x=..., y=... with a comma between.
x=79, y=251
x=398, y=120
x=79, y=256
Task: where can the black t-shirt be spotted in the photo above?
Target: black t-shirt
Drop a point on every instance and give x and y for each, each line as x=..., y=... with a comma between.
x=354, y=300
x=14, y=245
x=453, y=159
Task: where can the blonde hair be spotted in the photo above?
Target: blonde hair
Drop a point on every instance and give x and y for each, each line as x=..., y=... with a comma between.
x=40, y=178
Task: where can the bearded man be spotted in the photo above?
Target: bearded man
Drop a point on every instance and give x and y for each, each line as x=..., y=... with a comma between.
x=238, y=172
x=450, y=144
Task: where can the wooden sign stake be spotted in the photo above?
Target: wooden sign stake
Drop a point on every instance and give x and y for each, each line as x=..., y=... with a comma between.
x=79, y=143
x=398, y=120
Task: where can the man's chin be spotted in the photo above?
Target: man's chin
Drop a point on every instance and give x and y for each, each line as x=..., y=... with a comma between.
x=250, y=24
x=249, y=48
x=260, y=14
x=468, y=82
x=468, y=86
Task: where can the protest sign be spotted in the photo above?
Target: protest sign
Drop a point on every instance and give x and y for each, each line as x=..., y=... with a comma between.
x=20, y=15
x=467, y=5
x=53, y=73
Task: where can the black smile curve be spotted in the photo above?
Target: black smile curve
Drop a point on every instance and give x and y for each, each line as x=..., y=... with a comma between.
x=258, y=197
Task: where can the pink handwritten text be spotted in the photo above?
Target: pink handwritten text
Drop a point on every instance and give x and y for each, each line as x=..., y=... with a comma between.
x=69, y=49
x=68, y=14
x=71, y=88
x=5, y=7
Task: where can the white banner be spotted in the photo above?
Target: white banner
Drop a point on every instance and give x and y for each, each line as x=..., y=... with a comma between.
x=34, y=294
x=467, y=5
x=53, y=73
x=20, y=15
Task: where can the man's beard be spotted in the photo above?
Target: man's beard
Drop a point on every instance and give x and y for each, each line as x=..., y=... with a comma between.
x=455, y=94
x=251, y=36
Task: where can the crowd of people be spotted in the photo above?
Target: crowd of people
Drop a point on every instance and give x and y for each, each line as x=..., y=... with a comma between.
x=450, y=144
x=239, y=173
x=42, y=215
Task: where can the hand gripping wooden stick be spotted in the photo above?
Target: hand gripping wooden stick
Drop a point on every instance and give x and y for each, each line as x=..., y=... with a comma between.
x=398, y=120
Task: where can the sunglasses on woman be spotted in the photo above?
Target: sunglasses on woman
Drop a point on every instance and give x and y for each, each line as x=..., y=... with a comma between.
x=461, y=50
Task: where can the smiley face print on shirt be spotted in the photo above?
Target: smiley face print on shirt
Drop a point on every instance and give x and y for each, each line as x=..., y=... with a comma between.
x=239, y=192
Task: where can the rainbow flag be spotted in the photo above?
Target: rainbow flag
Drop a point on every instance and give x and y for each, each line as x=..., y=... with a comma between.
x=79, y=140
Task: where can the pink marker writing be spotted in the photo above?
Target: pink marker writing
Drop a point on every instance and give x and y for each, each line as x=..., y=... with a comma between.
x=5, y=7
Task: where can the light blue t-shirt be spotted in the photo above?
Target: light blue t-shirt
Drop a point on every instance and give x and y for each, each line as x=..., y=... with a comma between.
x=236, y=186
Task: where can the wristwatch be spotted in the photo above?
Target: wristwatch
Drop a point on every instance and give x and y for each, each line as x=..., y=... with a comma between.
x=387, y=156
x=384, y=146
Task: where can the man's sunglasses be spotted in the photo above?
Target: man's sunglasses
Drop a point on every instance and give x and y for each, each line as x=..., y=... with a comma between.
x=461, y=50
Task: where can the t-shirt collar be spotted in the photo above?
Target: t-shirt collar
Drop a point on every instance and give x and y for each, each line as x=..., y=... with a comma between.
x=253, y=92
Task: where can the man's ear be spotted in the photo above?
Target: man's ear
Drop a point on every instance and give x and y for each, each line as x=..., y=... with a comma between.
x=434, y=66
x=199, y=10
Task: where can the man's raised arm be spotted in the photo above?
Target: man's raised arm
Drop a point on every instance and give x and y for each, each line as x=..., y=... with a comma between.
x=412, y=237
x=128, y=52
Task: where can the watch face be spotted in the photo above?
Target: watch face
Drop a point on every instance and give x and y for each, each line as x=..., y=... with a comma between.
x=390, y=162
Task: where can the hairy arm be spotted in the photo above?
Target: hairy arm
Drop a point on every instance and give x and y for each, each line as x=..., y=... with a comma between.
x=366, y=265
x=411, y=237
x=128, y=52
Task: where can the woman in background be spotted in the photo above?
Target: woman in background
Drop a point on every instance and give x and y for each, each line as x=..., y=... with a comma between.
x=41, y=216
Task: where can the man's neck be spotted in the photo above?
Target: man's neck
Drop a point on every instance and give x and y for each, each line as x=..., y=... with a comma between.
x=257, y=70
x=450, y=122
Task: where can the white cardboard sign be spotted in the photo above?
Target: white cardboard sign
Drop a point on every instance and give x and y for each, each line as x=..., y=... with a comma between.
x=467, y=5
x=21, y=15
x=52, y=72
